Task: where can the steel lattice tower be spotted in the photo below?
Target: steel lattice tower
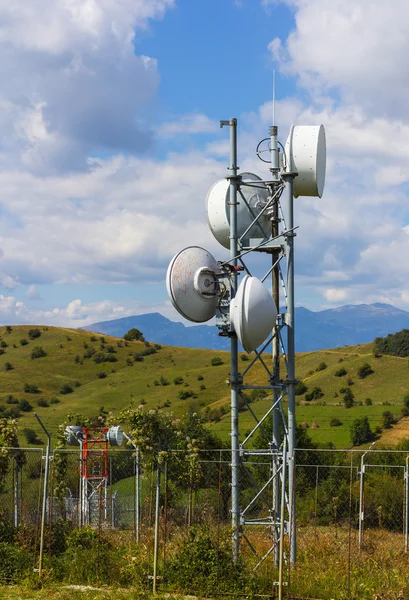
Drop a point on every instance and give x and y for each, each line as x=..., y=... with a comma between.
x=278, y=243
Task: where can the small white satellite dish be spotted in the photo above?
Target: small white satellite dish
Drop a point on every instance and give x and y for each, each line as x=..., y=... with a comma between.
x=192, y=285
x=218, y=210
x=306, y=153
x=252, y=313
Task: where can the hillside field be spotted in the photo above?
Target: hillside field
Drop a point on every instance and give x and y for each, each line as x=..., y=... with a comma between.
x=121, y=377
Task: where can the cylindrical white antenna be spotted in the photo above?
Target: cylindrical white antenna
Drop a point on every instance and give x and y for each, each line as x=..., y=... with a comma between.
x=274, y=97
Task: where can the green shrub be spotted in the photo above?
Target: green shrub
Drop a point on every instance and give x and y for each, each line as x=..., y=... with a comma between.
x=12, y=413
x=25, y=405
x=163, y=380
x=88, y=559
x=34, y=333
x=8, y=366
x=360, y=431
x=364, y=371
x=203, y=566
x=54, y=401
x=15, y=563
x=244, y=357
x=101, y=375
x=148, y=350
x=322, y=366
x=184, y=394
x=30, y=388
x=387, y=419
x=341, y=372
x=300, y=388
x=134, y=335
x=66, y=389
x=11, y=399
x=178, y=380
x=368, y=401
x=315, y=394
x=335, y=422
x=23, y=342
x=38, y=352
x=200, y=378
x=348, y=398
x=216, y=361
x=31, y=436
x=3, y=344
x=90, y=352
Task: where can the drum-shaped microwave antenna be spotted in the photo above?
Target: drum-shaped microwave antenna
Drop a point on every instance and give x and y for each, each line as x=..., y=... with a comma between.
x=115, y=435
x=306, y=153
x=252, y=313
x=192, y=285
x=73, y=435
x=218, y=209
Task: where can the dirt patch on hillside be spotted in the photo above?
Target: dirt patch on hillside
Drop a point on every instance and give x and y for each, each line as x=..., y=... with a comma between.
x=397, y=433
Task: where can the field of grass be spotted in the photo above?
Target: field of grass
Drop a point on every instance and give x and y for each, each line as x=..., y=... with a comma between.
x=125, y=381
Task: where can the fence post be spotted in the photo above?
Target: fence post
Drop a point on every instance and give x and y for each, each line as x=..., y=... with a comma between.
x=156, y=541
x=361, y=503
x=47, y=466
x=16, y=491
x=406, y=503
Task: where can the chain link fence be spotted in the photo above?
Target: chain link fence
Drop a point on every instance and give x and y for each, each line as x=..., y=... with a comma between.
x=158, y=521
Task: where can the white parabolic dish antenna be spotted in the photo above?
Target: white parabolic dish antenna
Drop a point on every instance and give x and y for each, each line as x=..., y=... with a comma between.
x=218, y=210
x=192, y=285
x=252, y=313
x=306, y=153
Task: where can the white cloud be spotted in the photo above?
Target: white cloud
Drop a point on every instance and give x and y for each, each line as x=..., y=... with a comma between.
x=75, y=314
x=71, y=82
x=187, y=125
x=335, y=294
x=355, y=48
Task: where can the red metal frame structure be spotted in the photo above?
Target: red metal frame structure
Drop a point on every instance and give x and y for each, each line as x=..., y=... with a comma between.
x=95, y=452
x=94, y=473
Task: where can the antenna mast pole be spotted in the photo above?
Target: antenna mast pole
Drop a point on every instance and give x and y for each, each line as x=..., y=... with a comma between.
x=234, y=374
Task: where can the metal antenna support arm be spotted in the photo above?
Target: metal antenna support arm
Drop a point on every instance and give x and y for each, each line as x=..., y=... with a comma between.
x=43, y=514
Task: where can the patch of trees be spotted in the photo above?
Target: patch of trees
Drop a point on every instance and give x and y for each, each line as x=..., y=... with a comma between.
x=315, y=394
x=34, y=333
x=134, y=335
x=216, y=361
x=300, y=388
x=364, y=371
x=38, y=352
x=395, y=344
x=360, y=431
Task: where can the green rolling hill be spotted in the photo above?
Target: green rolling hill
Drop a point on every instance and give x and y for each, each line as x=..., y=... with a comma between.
x=106, y=371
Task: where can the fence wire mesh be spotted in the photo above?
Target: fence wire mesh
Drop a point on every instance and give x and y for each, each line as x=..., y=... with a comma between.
x=352, y=522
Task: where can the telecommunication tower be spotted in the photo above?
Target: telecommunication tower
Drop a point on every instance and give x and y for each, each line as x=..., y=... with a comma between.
x=94, y=444
x=251, y=215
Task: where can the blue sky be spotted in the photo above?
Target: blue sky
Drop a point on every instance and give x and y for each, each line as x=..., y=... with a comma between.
x=109, y=115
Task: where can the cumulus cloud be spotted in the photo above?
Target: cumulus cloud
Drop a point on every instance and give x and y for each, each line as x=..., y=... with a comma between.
x=341, y=45
x=75, y=314
x=187, y=124
x=71, y=81
x=354, y=80
x=335, y=295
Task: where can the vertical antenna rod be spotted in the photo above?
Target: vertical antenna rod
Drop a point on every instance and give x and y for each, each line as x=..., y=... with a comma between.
x=234, y=375
x=274, y=97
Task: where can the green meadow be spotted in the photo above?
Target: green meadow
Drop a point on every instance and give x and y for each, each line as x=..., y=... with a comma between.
x=108, y=372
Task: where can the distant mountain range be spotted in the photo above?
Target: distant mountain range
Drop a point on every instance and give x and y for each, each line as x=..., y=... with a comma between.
x=344, y=326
